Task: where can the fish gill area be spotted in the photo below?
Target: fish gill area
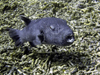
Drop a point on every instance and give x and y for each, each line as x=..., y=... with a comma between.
x=80, y=58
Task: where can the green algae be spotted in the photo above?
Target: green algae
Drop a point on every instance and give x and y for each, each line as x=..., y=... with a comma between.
x=82, y=57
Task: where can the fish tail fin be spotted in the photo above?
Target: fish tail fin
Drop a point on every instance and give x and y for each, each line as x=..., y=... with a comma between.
x=15, y=35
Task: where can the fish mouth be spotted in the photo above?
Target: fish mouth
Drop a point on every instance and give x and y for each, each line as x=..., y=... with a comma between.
x=70, y=38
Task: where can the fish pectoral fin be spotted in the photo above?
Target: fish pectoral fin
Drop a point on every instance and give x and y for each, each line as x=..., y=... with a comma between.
x=38, y=40
x=41, y=38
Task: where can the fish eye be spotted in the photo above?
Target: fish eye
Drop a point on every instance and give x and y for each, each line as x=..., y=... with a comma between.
x=52, y=27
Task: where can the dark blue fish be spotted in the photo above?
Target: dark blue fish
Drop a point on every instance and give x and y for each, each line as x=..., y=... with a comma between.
x=52, y=30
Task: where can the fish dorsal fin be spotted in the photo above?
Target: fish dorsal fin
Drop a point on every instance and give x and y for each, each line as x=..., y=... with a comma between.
x=26, y=20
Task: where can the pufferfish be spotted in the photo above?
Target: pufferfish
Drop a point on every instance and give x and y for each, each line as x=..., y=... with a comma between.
x=50, y=30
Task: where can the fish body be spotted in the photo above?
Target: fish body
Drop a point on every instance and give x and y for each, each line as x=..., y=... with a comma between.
x=50, y=30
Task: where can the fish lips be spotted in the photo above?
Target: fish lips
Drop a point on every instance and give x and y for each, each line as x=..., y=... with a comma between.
x=68, y=39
